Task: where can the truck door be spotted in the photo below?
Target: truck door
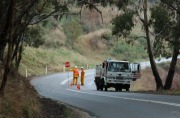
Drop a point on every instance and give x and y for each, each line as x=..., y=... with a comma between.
x=105, y=66
x=135, y=69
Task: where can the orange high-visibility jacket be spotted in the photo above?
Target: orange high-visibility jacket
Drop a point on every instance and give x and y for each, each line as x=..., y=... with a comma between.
x=75, y=72
x=82, y=72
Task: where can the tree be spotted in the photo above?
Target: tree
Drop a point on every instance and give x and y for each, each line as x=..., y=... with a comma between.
x=33, y=36
x=166, y=24
x=15, y=17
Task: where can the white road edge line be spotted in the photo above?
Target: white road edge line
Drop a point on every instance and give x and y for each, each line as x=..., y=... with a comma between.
x=70, y=78
x=133, y=99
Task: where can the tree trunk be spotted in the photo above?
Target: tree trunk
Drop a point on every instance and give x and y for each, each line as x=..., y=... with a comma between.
x=4, y=26
x=158, y=80
x=2, y=48
x=19, y=57
x=11, y=16
x=171, y=71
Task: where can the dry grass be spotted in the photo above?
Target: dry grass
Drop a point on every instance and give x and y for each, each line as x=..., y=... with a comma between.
x=94, y=18
x=36, y=60
x=93, y=40
x=55, y=36
x=147, y=82
x=19, y=100
x=92, y=44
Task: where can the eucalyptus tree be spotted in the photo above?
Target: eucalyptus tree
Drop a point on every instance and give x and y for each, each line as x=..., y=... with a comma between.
x=17, y=15
x=161, y=18
x=165, y=19
x=15, y=18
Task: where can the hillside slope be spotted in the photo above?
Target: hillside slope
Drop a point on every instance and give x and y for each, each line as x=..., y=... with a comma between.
x=84, y=41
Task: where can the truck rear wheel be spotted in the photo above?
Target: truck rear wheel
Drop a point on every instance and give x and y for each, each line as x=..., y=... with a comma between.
x=116, y=89
x=106, y=88
x=119, y=87
x=97, y=87
x=101, y=84
x=127, y=87
x=101, y=88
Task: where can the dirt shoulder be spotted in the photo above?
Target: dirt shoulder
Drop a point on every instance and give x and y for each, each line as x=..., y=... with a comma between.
x=147, y=82
x=22, y=101
x=54, y=109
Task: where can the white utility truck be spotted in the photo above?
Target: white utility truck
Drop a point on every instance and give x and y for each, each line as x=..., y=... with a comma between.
x=117, y=74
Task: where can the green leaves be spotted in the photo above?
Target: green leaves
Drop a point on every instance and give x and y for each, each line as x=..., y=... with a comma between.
x=33, y=37
x=123, y=24
x=129, y=52
x=160, y=19
x=166, y=28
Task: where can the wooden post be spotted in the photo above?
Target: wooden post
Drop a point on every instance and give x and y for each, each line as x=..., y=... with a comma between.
x=46, y=70
x=64, y=69
x=87, y=66
x=26, y=73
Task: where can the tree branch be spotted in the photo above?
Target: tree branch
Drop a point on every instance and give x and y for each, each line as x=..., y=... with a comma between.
x=171, y=6
x=138, y=14
x=25, y=11
x=94, y=6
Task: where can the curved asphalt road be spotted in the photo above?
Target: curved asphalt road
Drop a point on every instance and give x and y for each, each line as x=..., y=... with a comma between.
x=103, y=104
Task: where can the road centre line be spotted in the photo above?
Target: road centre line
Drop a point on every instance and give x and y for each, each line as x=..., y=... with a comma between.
x=66, y=80
x=132, y=99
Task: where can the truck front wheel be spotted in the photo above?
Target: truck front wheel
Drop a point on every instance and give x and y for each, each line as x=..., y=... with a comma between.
x=127, y=87
x=106, y=88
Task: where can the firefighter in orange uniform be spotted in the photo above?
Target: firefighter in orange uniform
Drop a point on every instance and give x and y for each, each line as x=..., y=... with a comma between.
x=75, y=75
x=82, y=76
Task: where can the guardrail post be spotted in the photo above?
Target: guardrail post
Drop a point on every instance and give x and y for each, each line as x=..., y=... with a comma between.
x=46, y=70
x=87, y=66
x=26, y=73
x=64, y=68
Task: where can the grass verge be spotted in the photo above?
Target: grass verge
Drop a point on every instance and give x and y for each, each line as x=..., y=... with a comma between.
x=147, y=83
x=21, y=101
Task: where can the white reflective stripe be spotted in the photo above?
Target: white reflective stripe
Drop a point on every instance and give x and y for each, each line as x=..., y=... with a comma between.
x=132, y=99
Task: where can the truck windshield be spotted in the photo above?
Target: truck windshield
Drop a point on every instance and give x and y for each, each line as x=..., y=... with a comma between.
x=118, y=67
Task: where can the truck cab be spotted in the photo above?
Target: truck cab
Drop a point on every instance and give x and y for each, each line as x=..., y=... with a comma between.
x=115, y=73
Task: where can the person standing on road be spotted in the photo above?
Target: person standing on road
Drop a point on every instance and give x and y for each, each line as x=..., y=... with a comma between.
x=75, y=75
x=82, y=76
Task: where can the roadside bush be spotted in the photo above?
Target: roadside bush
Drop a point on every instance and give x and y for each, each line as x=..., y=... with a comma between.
x=50, y=24
x=128, y=52
x=72, y=29
x=34, y=36
x=91, y=21
x=107, y=36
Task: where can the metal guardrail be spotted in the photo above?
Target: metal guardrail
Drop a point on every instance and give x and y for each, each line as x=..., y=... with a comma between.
x=144, y=65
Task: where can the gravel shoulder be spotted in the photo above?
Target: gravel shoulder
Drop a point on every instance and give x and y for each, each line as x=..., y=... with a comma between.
x=54, y=109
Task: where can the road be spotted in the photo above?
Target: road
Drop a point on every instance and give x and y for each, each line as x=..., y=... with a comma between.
x=110, y=104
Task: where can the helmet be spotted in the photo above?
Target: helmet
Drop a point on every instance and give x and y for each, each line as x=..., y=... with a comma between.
x=81, y=67
x=75, y=66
